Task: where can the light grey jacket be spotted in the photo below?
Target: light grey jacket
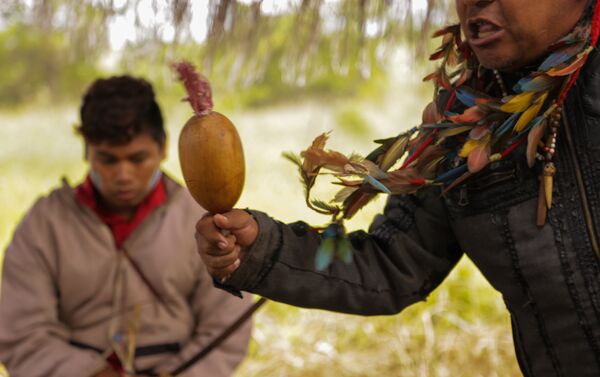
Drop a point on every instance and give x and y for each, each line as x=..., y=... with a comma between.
x=63, y=279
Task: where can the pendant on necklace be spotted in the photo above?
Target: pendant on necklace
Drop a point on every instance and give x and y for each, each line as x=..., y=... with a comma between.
x=549, y=171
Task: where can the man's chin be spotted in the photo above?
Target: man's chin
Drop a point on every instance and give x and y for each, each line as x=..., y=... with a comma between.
x=491, y=59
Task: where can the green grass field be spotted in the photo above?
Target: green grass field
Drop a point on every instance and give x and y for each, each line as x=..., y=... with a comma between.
x=461, y=330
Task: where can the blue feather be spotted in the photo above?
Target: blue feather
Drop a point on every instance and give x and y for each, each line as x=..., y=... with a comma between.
x=554, y=59
x=344, y=250
x=377, y=184
x=438, y=125
x=536, y=84
x=508, y=124
x=466, y=97
x=331, y=231
x=324, y=255
x=527, y=128
x=451, y=175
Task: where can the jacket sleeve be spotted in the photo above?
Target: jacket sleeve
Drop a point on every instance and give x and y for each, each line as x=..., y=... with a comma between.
x=214, y=311
x=33, y=340
x=408, y=251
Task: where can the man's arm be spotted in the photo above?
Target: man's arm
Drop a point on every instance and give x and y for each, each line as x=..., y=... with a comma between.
x=408, y=251
x=33, y=340
x=214, y=310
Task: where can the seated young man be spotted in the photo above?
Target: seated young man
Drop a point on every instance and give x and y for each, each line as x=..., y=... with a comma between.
x=104, y=279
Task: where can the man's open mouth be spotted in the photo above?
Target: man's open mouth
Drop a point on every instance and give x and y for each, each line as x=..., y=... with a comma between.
x=482, y=32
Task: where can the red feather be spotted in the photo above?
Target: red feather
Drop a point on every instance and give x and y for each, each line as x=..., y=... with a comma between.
x=471, y=115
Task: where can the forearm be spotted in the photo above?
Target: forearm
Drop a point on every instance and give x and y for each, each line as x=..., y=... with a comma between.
x=396, y=264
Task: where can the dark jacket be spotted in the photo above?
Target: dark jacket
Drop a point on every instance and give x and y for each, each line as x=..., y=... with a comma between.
x=548, y=276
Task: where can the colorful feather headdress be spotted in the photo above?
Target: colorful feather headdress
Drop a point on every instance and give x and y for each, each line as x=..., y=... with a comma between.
x=459, y=140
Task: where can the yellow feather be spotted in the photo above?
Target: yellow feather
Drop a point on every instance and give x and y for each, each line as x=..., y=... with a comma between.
x=518, y=103
x=468, y=147
x=453, y=131
x=530, y=113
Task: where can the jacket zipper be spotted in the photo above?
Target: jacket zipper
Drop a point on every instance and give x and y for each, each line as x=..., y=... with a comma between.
x=580, y=185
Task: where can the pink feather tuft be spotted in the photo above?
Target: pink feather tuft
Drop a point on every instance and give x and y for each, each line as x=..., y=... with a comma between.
x=196, y=86
x=478, y=159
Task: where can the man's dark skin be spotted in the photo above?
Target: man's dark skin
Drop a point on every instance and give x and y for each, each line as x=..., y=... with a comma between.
x=504, y=34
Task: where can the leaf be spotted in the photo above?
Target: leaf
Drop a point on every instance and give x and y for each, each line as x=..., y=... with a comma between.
x=325, y=254
x=530, y=113
x=518, y=103
x=533, y=139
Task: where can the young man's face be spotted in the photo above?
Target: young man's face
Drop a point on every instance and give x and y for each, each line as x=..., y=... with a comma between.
x=509, y=34
x=123, y=173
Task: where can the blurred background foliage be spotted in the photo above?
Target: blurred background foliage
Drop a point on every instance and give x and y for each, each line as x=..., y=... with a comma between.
x=253, y=53
x=284, y=71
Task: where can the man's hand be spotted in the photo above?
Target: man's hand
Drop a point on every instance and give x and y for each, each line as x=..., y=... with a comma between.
x=222, y=240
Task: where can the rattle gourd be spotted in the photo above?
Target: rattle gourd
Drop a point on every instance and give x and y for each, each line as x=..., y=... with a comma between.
x=210, y=149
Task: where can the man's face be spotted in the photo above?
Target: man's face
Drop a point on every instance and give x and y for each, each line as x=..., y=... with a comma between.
x=122, y=173
x=509, y=34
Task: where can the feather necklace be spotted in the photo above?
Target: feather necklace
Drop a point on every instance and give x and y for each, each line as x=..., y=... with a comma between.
x=464, y=129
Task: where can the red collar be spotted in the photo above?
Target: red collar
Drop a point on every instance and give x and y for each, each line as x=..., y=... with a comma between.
x=120, y=226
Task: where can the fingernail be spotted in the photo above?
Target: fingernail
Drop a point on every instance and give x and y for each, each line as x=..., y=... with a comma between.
x=236, y=263
x=222, y=245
